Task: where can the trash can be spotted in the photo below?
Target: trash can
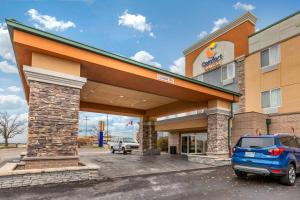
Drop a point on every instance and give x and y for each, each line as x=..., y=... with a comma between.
x=172, y=149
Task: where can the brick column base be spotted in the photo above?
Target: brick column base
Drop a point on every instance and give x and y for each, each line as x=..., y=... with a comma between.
x=52, y=119
x=148, y=138
x=217, y=132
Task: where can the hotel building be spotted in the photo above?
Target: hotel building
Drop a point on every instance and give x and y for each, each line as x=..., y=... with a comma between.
x=238, y=81
x=263, y=66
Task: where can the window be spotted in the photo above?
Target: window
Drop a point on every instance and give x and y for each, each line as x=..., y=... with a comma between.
x=228, y=71
x=129, y=140
x=289, y=141
x=253, y=142
x=200, y=77
x=270, y=56
x=271, y=98
x=298, y=141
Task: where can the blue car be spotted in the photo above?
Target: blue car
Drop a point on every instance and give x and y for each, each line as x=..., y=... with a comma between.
x=268, y=155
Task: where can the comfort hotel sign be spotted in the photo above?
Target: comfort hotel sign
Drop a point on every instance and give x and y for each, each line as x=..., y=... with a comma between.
x=213, y=56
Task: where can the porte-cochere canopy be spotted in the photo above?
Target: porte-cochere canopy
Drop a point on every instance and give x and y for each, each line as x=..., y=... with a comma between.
x=61, y=77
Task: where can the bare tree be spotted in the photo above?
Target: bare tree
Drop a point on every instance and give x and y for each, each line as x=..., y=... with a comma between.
x=95, y=130
x=10, y=126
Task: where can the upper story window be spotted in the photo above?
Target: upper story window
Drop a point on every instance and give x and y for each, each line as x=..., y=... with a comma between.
x=271, y=100
x=270, y=57
x=200, y=77
x=228, y=73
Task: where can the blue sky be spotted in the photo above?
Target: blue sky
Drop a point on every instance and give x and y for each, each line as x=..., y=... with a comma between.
x=153, y=31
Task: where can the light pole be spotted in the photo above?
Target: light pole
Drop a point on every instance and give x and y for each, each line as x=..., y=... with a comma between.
x=107, y=127
x=86, y=119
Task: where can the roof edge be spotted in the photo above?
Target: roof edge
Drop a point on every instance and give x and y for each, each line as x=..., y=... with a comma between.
x=275, y=23
x=14, y=24
x=248, y=16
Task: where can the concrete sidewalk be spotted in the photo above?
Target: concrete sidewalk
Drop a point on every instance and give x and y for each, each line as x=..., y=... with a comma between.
x=10, y=155
x=119, y=165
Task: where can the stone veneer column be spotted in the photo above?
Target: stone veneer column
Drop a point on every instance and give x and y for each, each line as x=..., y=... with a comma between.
x=53, y=118
x=217, y=131
x=240, y=68
x=148, y=137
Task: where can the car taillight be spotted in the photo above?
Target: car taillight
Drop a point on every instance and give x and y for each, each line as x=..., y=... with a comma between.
x=276, y=171
x=276, y=152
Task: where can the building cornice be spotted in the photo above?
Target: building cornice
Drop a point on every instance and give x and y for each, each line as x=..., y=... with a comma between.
x=248, y=16
x=184, y=118
x=48, y=76
x=221, y=111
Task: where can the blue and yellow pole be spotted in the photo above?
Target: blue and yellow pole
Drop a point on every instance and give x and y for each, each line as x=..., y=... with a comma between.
x=100, y=141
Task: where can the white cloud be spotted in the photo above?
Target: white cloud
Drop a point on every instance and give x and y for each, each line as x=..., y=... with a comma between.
x=5, y=67
x=13, y=89
x=202, y=34
x=11, y=102
x=219, y=23
x=243, y=6
x=49, y=22
x=145, y=57
x=137, y=22
x=23, y=117
x=178, y=66
x=6, y=50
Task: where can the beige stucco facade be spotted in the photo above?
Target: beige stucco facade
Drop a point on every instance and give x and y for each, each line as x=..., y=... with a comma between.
x=55, y=64
x=285, y=76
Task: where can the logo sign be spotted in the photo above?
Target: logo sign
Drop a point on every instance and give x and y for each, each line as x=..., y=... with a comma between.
x=214, y=58
x=164, y=78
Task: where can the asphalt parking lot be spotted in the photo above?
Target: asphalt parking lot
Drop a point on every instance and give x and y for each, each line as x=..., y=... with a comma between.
x=210, y=184
x=155, y=177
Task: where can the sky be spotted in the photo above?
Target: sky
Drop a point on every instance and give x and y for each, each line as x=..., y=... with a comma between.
x=151, y=31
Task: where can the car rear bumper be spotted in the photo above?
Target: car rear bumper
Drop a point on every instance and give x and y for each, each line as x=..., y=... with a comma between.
x=131, y=149
x=259, y=170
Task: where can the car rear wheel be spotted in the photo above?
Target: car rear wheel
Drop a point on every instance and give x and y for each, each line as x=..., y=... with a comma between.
x=290, y=177
x=112, y=150
x=123, y=151
x=240, y=174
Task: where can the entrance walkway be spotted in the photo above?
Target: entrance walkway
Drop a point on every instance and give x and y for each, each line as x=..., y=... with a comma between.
x=119, y=165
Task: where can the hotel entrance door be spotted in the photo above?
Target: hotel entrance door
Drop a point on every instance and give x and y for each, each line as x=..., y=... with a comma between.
x=194, y=143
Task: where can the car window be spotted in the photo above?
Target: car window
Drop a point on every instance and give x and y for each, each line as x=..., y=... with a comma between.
x=288, y=141
x=129, y=140
x=256, y=142
x=298, y=140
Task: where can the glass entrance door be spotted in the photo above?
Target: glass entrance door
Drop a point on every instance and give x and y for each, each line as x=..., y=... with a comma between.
x=194, y=143
x=184, y=144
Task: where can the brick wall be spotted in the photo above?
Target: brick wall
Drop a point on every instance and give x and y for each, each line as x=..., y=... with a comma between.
x=254, y=123
x=22, y=178
x=53, y=120
x=285, y=123
x=248, y=123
